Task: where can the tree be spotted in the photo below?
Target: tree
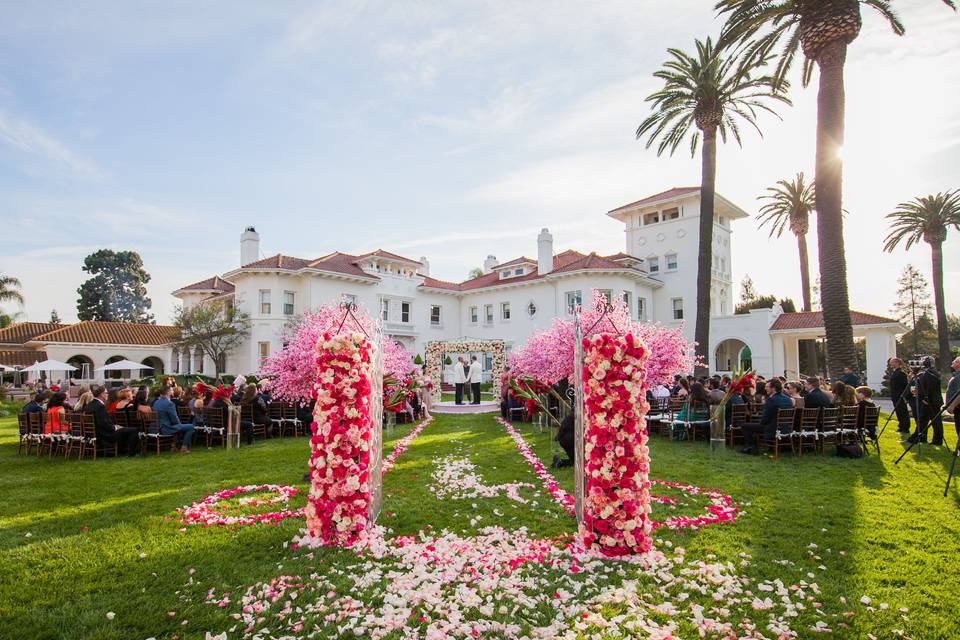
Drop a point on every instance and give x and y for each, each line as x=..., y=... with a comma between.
x=920, y=340
x=790, y=203
x=822, y=30
x=913, y=301
x=116, y=290
x=10, y=292
x=747, y=293
x=710, y=92
x=216, y=327
x=476, y=272
x=765, y=302
x=54, y=317
x=928, y=219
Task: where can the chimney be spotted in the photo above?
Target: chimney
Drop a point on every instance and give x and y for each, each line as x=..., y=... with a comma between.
x=489, y=264
x=424, y=266
x=544, y=252
x=249, y=246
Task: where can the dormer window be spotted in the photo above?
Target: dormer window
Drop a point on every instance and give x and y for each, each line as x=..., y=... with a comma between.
x=671, y=214
x=651, y=218
x=518, y=271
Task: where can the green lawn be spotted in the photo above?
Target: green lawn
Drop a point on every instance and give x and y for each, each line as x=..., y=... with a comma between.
x=80, y=540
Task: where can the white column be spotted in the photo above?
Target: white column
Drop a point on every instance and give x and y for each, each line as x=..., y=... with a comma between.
x=778, y=360
x=878, y=352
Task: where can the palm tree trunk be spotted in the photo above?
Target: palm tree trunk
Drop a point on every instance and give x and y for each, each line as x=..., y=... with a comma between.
x=829, y=195
x=943, y=331
x=708, y=176
x=811, y=346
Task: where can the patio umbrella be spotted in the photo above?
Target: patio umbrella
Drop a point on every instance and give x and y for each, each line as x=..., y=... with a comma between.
x=124, y=365
x=4, y=367
x=49, y=365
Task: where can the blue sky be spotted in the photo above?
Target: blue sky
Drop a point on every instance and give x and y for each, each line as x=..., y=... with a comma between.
x=450, y=130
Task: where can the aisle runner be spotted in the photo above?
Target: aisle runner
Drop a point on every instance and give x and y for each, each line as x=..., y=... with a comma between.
x=721, y=508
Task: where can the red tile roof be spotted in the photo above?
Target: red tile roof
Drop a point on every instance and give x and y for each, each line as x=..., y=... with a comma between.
x=95, y=332
x=669, y=194
x=515, y=261
x=341, y=263
x=215, y=283
x=439, y=284
x=592, y=261
x=278, y=261
x=21, y=357
x=814, y=320
x=390, y=256
x=21, y=332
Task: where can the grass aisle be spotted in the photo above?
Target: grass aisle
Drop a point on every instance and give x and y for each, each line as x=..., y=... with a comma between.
x=80, y=540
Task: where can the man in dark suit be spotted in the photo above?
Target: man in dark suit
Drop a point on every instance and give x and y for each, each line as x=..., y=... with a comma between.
x=35, y=405
x=850, y=378
x=768, y=419
x=930, y=396
x=899, y=394
x=815, y=398
x=127, y=437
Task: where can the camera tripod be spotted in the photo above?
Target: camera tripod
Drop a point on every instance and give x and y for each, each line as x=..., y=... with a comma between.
x=921, y=436
x=902, y=398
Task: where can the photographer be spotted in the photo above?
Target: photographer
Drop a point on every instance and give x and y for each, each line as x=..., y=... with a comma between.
x=899, y=394
x=930, y=400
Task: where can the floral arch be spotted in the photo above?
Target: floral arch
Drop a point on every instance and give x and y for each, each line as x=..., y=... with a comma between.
x=436, y=349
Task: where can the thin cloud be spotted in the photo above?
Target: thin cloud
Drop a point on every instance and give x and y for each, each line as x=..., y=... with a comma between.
x=31, y=139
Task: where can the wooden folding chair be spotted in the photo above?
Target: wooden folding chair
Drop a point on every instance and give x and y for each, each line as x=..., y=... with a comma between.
x=152, y=435
x=246, y=415
x=847, y=424
x=23, y=426
x=784, y=433
x=868, y=430
x=290, y=417
x=829, y=417
x=738, y=417
x=213, y=426
x=808, y=433
x=90, y=443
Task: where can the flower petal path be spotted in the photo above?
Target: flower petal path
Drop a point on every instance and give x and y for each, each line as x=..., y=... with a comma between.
x=721, y=507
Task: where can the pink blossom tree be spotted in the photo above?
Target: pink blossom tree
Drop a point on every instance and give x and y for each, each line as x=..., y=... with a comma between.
x=292, y=370
x=548, y=355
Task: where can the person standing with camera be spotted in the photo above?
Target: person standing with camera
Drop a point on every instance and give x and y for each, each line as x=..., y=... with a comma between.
x=953, y=394
x=899, y=394
x=930, y=400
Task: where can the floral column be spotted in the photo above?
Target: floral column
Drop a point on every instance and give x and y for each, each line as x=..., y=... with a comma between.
x=616, y=505
x=339, y=503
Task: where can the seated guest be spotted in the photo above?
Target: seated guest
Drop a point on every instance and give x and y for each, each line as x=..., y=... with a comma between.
x=865, y=401
x=792, y=391
x=124, y=401
x=83, y=401
x=55, y=422
x=684, y=389
x=815, y=398
x=177, y=397
x=141, y=401
x=169, y=420
x=239, y=386
x=714, y=393
x=127, y=437
x=660, y=391
x=113, y=395
x=843, y=394
x=676, y=385
x=35, y=405
x=259, y=412
x=767, y=427
x=414, y=403
x=696, y=407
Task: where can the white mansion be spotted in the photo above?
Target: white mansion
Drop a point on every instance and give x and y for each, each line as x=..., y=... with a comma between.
x=656, y=275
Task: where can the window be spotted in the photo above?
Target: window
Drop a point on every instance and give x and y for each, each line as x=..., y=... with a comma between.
x=264, y=350
x=435, y=315
x=348, y=298
x=642, y=309
x=474, y=319
x=722, y=220
x=531, y=308
x=404, y=312
x=678, y=308
x=488, y=314
x=504, y=310
x=607, y=295
x=627, y=301
x=573, y=301
x=651, y=218
x=653, y=265
x=385, y=309
x=264, y=302
x=518, y=271
x=671, y=214
x=671, y=259
x=288, y=303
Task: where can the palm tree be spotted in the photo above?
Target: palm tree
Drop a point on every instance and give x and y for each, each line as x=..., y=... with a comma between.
x=790, y=204
x=9, y=290
x=710, y=92
x=822, y=30
x=928, y=219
